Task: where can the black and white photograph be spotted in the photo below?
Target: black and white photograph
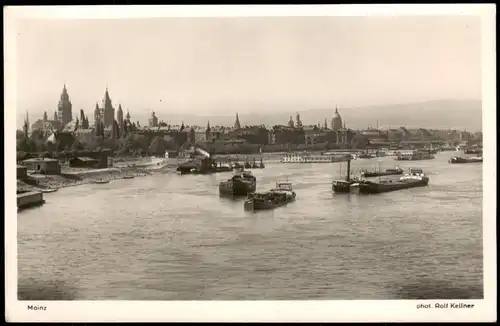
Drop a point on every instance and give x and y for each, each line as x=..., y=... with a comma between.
x=249, y=163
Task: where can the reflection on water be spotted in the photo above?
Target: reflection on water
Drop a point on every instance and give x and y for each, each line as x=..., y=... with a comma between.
x=170, y=237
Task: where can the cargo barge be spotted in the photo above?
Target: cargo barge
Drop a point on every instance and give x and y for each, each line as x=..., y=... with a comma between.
x=415, y=178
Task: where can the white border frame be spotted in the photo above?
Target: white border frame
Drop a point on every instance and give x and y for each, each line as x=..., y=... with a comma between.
x=283, y=311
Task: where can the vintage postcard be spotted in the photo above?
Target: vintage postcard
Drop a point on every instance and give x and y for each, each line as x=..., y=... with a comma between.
x=250, y=163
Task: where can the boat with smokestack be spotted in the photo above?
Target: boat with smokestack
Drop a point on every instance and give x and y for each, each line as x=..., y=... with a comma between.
x=274, y=198
x=415, y=178
x=201, y=164
x=343, y=186
x=240, y=184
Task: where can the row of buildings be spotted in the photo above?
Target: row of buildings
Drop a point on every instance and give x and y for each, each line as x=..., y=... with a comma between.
x=110, y=124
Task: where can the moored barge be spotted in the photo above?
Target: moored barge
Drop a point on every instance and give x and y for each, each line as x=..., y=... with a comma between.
x=415, y=178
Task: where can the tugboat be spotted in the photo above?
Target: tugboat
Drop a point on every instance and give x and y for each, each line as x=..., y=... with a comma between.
x=241, y=184
x=370, y=174
x=456, y=159
x=343, y=186
x=415, y=178
x=279, y=196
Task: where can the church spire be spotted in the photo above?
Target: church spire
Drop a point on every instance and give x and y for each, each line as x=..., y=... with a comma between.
x=237, y=124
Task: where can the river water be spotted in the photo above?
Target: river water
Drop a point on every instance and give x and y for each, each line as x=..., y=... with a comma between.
x=170, y=237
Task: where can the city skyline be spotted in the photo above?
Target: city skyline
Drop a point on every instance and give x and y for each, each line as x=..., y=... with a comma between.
x=213, y=66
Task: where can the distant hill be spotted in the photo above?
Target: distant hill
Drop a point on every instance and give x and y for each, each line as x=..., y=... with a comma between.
x=439, y=114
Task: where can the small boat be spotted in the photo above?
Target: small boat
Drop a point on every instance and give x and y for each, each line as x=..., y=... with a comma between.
x=457, y=160
x=370, y=174
x=477, y=151
x=279, y=196
x=241, y=184
x=128, y=176
x=47, y=190
x=101, y=181
x=415, y=178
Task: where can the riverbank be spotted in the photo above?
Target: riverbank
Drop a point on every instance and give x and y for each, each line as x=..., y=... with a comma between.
x=71, y=179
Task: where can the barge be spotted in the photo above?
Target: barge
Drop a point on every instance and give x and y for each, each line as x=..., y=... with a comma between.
x=241, y=183
x=415, y=178
x=29, y=199
x=277, y=197
x=463, y=160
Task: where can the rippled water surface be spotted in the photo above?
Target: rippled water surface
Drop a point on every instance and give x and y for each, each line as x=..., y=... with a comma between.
x=170, y=237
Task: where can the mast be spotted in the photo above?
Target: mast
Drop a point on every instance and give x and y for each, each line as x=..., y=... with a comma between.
x=348, y=169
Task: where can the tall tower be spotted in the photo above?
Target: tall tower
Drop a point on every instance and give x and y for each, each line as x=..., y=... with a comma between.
x=119, y=117
x=109, y=111
x=45, y=116
x=237, y=122
x=64, y=106
x=298, y=122
x=128, y=116
x=26, y=127
x=97, y=116
x=290, y=122
x=153, y=121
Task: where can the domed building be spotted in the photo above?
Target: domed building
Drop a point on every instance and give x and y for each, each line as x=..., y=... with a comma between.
x=339, y=129
x=336, y=120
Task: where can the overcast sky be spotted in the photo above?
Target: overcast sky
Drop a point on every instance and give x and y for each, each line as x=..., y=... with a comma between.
x=224, y=65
